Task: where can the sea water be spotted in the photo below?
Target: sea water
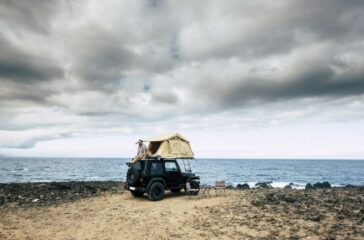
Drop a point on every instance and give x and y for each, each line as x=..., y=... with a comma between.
x=233, y=171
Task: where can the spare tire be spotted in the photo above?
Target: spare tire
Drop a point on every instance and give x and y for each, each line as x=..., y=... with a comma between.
x=133, y=176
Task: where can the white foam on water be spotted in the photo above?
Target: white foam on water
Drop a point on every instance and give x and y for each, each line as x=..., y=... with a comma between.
x=96, y=178
x=283, y=184
x=277, y=185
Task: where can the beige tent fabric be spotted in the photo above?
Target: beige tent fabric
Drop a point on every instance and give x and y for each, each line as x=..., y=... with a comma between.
x=171, y=145
x=163, y=137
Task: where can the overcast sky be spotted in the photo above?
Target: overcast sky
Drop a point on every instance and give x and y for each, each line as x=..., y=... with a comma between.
x=240, y=79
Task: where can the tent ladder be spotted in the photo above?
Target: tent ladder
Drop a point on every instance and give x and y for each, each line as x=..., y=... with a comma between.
x=187, y=166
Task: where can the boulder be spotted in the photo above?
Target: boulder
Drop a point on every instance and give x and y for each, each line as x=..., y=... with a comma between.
x=263, y=185
x=318, y=185
x=322, y=185
x=309, y=186
x=289, y=186
x=243, y=186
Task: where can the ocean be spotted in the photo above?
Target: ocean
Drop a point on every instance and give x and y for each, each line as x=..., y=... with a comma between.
x=233, y=171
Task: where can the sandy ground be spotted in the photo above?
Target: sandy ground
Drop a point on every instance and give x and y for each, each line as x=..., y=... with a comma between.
x=238, y=215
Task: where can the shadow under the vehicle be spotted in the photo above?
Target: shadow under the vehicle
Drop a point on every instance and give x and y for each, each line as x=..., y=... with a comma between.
x=167, y=194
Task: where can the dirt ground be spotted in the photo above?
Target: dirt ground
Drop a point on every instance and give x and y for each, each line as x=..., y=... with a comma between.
x=248, y=214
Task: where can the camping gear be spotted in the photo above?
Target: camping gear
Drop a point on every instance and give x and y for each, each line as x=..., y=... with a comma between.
x=169, y=146
x=220, y=187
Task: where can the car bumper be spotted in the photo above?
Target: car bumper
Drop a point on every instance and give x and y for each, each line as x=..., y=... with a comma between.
x=138, y=189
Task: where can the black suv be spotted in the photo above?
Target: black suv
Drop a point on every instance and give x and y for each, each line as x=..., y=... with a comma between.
x=154, y=176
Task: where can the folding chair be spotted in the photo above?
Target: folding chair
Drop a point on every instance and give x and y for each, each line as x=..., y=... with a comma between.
x=205, y=190
x=220, y=186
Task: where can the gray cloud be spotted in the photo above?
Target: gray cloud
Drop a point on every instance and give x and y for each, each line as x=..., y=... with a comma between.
x=99, y=58
x=28, y=15
x=101, y=65
x=164, y=97
x=32, y=141
x=244, y=31
x=314, y=81
x=20, y=66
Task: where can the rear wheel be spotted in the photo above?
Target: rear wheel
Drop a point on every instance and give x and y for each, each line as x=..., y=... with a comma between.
x=137, y=193
x=156, y=191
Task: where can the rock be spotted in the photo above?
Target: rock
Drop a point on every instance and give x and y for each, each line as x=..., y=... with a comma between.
x=35, y=200
x=243, y=186
x=257, y=202
x=289, y=186
x=294, y=237
x=308, y=186
x=271, y=197
x=263, y=185
x=316, y=218
x=322, y=185
x=290, y=199
x=336, y=226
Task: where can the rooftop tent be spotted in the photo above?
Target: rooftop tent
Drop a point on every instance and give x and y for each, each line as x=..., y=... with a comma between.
x=169, y=146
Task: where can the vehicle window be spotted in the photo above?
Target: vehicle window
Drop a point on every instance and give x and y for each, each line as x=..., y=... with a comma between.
x=156, y=169
x=171, y=167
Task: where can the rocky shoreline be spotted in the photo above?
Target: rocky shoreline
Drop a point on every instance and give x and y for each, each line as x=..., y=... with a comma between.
x=321, y=213
x=50, y=193
x=263, y=212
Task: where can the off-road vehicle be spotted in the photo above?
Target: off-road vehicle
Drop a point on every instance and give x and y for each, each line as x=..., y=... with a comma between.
x=154, y=176
x=161, y=171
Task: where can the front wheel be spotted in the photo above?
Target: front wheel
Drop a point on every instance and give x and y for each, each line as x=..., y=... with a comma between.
x=156, y=191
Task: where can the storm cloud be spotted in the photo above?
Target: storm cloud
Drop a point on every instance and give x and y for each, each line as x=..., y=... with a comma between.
x=73, y=69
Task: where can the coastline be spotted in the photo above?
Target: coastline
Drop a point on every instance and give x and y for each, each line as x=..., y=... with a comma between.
x=51, y=193
x=104, y=210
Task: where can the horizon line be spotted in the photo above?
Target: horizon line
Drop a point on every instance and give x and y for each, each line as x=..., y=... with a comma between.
x=207, y=158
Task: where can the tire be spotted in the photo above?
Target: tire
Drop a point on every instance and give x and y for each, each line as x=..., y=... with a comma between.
x=156, y=191
x=137, y=193
x=176, y=190
x=133, y=176
x=195, y=184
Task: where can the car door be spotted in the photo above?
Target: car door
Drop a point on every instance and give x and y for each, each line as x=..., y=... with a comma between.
x=172, y=174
